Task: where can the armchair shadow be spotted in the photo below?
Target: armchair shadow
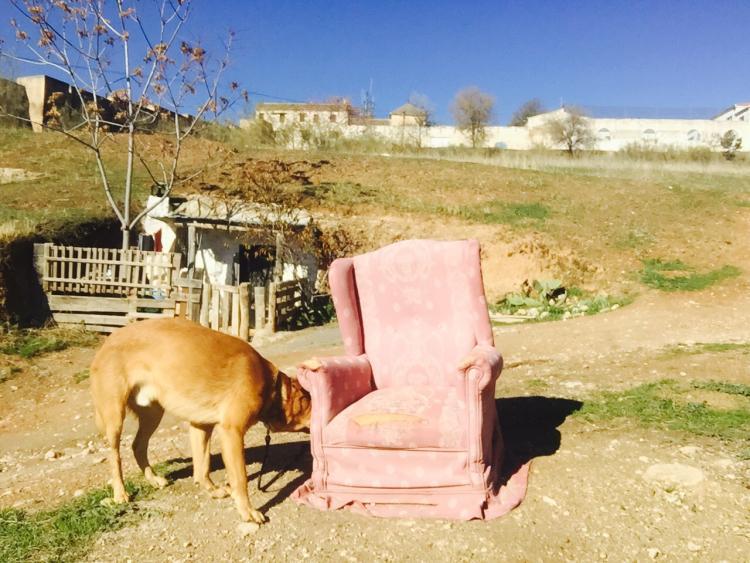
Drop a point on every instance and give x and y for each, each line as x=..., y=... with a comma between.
x=529, y=427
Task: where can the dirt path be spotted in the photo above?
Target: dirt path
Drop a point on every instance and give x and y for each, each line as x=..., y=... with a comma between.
x=588, y=497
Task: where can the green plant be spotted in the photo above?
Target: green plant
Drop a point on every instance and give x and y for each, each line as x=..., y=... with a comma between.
x=500, y=212
x=657, y=404
x=65, y=533
x=678, y=276
x=28, y=343
x=81, y=376
x=549, y=300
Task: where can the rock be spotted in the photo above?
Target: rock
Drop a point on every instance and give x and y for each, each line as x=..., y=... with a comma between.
x=98, y=460
x=52, y=454
x=675, y=474
x=689, y=451
x=247, y=528
x=78, y=493
x=692, y=546
x=653, y=552
x=550, y=501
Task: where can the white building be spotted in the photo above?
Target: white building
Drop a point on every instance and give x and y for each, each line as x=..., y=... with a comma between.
x=406, y=125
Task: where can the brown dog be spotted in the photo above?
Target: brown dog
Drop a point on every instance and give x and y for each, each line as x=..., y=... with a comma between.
x=202, y=376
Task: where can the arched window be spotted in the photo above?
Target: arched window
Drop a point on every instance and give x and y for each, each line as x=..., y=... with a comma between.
x=649, y=136
x=693, y=136
x=604, y=134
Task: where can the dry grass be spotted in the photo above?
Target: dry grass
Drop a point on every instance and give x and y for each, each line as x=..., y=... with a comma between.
x=610, y=211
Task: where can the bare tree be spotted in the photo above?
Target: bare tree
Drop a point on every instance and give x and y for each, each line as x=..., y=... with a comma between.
x=424, y=118
x=130, y=71
x=528, y=109
x=473, y=110
x=572, y=130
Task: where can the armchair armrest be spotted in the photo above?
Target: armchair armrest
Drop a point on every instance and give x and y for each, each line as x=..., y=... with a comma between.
x=484, y=364
x=335, y=383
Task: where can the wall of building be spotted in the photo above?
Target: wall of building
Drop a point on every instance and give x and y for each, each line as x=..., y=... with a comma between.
x=611, y=134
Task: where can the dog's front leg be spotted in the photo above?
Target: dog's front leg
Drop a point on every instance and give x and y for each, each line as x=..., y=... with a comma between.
x=232, y=451
x=200, y=438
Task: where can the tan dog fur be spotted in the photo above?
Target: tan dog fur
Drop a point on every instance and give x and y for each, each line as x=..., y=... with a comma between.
x=205, y=377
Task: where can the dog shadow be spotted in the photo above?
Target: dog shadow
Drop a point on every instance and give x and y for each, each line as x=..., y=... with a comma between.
x=529, y=428
x=282, y=457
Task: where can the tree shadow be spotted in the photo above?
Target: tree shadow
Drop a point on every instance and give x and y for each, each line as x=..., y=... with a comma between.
x=283, y=457
x=529, y=428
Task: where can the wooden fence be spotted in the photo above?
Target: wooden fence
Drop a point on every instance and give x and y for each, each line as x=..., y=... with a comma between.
x=105, y=272
x=105, y=289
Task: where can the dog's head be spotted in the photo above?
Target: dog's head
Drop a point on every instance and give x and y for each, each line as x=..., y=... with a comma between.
x=292, y=406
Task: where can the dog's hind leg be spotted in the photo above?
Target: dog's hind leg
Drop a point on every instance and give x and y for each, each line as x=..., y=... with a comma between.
x=200, y=437
x=111, y=421
x=232, y=450
x=148, y=421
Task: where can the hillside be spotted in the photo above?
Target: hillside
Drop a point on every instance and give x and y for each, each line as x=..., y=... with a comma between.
x=590, y=223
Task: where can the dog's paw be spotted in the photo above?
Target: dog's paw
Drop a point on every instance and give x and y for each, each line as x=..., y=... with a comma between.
x=219, y=492
x=119, y=498
x=157, y=481
x=256, y=516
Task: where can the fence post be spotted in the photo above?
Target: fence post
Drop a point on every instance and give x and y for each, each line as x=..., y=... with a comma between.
x=205, y=303
x=260, y=308
x=244, y=297
x=272, y=307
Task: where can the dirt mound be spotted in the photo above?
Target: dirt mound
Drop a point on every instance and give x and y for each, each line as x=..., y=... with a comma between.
x=508, y=259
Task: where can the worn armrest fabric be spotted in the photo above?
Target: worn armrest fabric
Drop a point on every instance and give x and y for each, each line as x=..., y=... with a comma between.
x=335, y=383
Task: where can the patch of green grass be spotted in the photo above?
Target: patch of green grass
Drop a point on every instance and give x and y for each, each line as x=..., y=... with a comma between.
x=65, y=533
x=81, y=376
x=658, y=405
x=502, y=213
x=724, y=387
x=678, y=276
x=706, y=347
x=28, y=343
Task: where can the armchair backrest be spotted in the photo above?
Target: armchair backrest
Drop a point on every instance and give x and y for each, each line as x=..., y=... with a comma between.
x=416, y=308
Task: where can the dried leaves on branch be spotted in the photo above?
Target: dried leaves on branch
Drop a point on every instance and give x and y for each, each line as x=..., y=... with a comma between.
x=130, y=72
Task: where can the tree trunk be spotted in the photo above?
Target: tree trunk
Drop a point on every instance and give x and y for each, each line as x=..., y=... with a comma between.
x=125, y=239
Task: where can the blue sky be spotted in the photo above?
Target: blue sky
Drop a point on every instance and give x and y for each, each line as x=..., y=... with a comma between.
x=659, y=55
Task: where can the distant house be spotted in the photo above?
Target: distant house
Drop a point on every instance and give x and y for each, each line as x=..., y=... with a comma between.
x=229, y=243
x=407, y=114
x=316, y=114
x=737, y=112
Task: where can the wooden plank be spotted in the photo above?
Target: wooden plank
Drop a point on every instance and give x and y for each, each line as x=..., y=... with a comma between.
x=166, y=314
x=91, y=328
x=243, y=297
x=260, y=307
x=214, y=312
x=227, y=288
x=205, y=304
x=84, y=303
x=90, y=318
x=226, y=303
x=234, y=327
x=272, y=307
x=153, y=303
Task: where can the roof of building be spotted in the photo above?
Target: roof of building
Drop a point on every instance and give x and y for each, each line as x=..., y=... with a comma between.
x=205, y=209
x=408, y=109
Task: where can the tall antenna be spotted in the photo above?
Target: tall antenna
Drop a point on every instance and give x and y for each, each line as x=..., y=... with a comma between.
x=368, y=102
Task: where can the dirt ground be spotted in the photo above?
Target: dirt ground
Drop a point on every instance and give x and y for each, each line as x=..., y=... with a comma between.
x=588, y=499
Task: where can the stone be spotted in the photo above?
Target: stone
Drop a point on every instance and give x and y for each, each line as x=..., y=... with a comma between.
x=689, y=451
x=653, y=552
x=247, y=528
x=78, y=493
x=52, y=454
x=550, y=501
x=674, y=474
x=692, y=546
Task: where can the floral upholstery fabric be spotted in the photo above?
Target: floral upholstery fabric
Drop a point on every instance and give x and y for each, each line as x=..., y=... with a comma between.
x=405, y=424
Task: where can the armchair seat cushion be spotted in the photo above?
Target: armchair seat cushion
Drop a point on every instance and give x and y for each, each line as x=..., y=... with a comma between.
x=407, y=417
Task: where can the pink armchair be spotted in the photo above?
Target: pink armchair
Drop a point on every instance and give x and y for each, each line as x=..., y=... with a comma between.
x=405, y=423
